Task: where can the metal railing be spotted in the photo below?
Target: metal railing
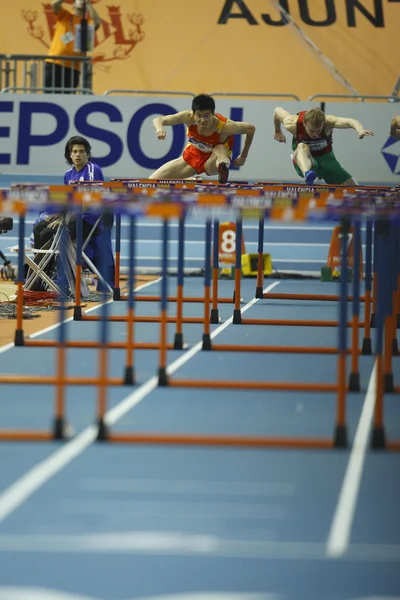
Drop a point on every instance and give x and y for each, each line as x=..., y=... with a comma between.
x=3, y=58
x=47, y=90
x=148, y=92
x=33, y=73
x=360, y=97
x=256, y=95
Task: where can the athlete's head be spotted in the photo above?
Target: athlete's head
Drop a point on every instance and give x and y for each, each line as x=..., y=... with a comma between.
x=203, y=107
x=77, y=151
x=314, y=121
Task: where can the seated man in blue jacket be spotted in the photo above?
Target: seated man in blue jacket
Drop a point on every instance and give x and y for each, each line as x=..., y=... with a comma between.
x=78, y=154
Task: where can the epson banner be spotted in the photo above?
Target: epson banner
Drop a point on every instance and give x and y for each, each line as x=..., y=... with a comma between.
x=34, y=130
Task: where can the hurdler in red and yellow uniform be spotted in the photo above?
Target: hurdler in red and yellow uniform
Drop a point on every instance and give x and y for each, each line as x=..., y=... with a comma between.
x=210, y=141
x=200, y=147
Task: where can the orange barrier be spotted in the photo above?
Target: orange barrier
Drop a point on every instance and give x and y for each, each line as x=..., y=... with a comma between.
x=102, y=381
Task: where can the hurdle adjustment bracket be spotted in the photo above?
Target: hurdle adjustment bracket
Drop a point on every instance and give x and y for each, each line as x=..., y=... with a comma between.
x=129, y=377
x=214, y=316
x=378, y=439
x=59, y=428
x=354, y=382
x=178, y=341
x=340, y=440
x=19, y=337
x=367, y=346
x=237, y=316
x=102, y=432
x=162, y=376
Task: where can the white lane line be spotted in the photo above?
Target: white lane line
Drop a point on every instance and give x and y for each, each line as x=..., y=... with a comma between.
x=23, y=488
x=339, y=535
x=180, y=543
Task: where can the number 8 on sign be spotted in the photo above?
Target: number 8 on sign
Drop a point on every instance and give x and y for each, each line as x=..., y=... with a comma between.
x=227, y=243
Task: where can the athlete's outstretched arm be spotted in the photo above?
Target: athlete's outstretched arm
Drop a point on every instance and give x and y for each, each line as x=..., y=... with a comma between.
x=395, y=127
x=282, y=116
x=347, y=123
x=184, y=117
x=241, y=128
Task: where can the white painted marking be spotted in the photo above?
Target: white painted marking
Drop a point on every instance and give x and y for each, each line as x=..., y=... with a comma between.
x=35, y=593
x=339, y=535
x=179, y=543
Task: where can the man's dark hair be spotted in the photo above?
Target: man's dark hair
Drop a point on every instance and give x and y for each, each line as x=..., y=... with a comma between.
x=75, y=140
x=203, y=102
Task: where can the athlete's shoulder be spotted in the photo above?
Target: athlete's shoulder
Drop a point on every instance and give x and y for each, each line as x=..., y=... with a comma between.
x=93, y=172
x=69, y=175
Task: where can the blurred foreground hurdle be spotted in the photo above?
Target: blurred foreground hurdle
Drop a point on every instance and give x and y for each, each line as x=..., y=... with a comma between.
x=352, y=209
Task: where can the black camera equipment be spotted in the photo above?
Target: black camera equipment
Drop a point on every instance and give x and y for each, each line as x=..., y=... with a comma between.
x=7, y=271
x=6, y=224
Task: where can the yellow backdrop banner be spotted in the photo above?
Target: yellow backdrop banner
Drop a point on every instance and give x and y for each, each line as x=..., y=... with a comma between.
x=229, y=45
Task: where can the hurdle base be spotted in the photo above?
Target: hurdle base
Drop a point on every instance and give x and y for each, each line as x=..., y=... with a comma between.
x=373, y=321
x=129, y=376
x=237, y=316
x=77, y=313
x=178, y=341
x=59, y=428
x=162, y=376
x=102, y=432
x=117, y=293
x=378, y=439
x=19, y=337
x=388, y=383
x=214, y=316
x=354, y=382
x=259, y=293
x=395, y=347
x=206, y=342
x=366, y=346
x=340, y=438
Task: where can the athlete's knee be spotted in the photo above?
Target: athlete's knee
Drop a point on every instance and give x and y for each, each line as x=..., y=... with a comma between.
x=302, y=148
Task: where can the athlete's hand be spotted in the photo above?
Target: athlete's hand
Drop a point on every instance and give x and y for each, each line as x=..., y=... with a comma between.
x=161, y=134
x=279, y=137
x=365, y=132
x=239, y=161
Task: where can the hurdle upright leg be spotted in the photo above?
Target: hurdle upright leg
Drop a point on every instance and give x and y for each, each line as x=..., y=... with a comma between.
x=237, y=314
x=78, y=266
x=378, y=439
x=178, y=341
x=354, y=379
x=59, y=419
x=260, y=261
x=19, y=332
x=207, y=283
x=129, y=376
x=103, y=357
x=162, y=368
x=214, y=316
x=340, y=437
x=366, y=344
x=117, y=285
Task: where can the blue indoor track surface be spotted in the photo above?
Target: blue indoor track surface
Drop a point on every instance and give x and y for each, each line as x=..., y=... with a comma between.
x=89, y=520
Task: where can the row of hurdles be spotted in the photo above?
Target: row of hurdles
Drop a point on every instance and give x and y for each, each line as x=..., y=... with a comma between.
x=377, y=209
